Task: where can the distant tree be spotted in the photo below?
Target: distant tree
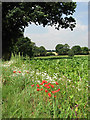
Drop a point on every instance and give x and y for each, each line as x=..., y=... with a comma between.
x=66, y=49
x=36, y=51
x=71, y=53
x=76, y=49
x=24, y=46
x=42, y=51
x=59, y=49
x=85, y=50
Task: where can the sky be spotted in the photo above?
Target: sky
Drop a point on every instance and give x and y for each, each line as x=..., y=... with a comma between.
x=49, y=37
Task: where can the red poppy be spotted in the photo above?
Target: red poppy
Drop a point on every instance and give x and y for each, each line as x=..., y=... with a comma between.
x=41, y=83
x=45, y=85
x=46, y=90
x=41, y=89
x=19, y=71
x=52, y=86
x=37, y=85
x=58, y=90
x=56, y=83
x=49, y=83
x=54, y=96
x=32, y=85
x=14, y=71
x=49, y=94
x=44, y=81
x=37, y=89
x=53, y=92
x=48, y=87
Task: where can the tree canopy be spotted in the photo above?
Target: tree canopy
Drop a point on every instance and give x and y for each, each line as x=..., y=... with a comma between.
x=16, y=16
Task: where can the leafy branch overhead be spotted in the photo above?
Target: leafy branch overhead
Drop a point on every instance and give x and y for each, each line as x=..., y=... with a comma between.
x=17, y=15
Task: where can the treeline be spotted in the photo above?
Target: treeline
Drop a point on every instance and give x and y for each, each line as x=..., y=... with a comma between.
x=24, y=46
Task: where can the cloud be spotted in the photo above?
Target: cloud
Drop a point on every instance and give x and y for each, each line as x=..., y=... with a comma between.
x=49, y=39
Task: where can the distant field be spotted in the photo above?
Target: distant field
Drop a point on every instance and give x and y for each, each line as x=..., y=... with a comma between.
x=59, y=56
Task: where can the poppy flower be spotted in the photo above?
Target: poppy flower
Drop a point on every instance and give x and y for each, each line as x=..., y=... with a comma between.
x=48, y=87
x=32, y=85
x=49, y=83
x=19, y=71
x=53, y=92
x=37, y=89
x=41, y=89
x=37, y=85
x=56, y=83
x=49, y=94
x=45, y=85
x=52, y=86
x=41, y=83
x=55, y=96
x=46, y=90
x=44, y=81
x=14, y=71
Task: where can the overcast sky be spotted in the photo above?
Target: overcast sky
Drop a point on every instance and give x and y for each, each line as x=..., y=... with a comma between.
x=49, y=37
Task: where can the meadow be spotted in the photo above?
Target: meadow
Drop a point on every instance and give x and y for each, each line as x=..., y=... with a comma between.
x=45, y=88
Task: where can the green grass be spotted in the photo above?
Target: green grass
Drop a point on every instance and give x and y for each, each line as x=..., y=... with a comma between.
x=21, y=100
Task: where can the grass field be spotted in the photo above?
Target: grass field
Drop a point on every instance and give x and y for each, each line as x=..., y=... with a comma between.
x=56, y=88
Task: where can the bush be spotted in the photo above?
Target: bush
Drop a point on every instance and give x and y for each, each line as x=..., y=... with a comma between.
x=71, y=53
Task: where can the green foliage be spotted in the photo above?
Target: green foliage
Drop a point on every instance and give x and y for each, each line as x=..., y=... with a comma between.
x=42, y=51
x=20, y=100
x=85, y=50
x=76, y=49
x=62, y=49
x=16, y=17
x=24, y=46
x=71, y=53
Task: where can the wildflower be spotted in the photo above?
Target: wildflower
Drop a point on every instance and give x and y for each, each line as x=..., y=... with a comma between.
x=48, y=87
x=49, y=83
x=41, y=89
x=56, y=83
x=14, y=71
x=55, y=96
x=53, y=92
x=46, y=90
x=41, y=83
x=19, y=71
x=44, y=81
x=37, y=85
x=49, y=94
x=37, y=89
x=52, y=86
x=32, y=85
x=45, y=85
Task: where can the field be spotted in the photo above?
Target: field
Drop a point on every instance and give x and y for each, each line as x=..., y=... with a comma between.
x=45, y=88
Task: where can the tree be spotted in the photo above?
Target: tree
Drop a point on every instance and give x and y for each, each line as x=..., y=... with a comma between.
x=42, y=51
x=66, y=49
x=59, y=49
x=85, y=50
x=17, y=15
x=62, y=49
x=76, y=49
x=24, y=46
x=71, y=53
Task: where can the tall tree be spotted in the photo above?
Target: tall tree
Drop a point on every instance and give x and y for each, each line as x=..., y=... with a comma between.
x=17, y=15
